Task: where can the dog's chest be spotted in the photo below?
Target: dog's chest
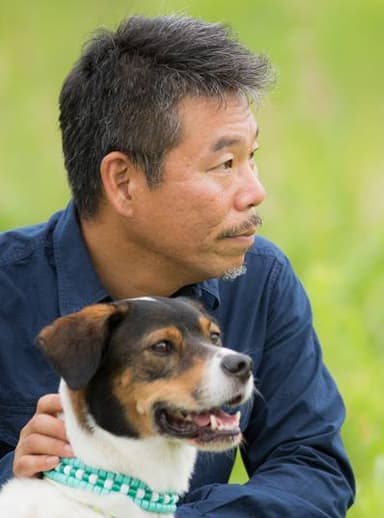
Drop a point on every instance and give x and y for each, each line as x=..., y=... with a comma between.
x=41, y=499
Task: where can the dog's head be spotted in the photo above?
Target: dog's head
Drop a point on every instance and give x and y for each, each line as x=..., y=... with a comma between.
x=150, y=366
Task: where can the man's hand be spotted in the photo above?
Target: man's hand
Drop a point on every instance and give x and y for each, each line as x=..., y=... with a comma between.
x=42, y=440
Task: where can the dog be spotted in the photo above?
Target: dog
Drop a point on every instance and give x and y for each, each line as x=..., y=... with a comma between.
x=143, y=386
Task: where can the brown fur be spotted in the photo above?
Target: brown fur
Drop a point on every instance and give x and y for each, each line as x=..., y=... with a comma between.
x=208, y=326
x=139, y=398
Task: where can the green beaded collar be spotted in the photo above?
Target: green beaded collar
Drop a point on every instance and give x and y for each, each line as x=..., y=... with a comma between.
x=74, y=473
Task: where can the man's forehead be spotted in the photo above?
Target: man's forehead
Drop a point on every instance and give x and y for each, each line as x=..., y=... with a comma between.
x=230, y=141
x=229, y=120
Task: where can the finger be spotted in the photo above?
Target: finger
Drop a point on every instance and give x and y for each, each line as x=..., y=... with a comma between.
x=36, y=444
x=31, y=465
x=45, y=425
x=49, y=404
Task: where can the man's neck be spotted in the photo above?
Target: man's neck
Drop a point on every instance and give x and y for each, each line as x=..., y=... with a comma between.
x=124, y=270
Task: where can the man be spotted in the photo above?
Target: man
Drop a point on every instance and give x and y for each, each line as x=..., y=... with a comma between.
x=159, y=142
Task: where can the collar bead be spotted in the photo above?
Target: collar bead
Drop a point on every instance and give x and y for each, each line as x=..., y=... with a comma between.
x=74, y=473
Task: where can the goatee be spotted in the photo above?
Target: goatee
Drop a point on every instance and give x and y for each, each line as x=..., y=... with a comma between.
x=232, y=273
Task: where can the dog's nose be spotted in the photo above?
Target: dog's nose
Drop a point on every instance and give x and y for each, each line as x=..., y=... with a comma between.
x=238, y=365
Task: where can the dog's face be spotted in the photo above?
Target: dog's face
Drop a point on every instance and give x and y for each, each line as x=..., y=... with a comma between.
x=150, y=366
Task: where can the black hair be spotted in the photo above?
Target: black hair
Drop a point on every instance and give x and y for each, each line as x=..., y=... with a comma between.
x=123, y=93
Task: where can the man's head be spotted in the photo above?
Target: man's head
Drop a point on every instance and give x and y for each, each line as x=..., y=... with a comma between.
x=125, y=92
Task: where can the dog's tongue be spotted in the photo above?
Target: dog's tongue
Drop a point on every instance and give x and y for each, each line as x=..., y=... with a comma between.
x=222, y=418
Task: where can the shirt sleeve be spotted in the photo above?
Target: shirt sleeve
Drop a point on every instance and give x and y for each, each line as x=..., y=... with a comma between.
x=6, y=463
x=292, y=450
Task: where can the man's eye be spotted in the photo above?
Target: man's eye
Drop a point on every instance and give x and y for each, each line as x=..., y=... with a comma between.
x=215, y=338
x=163, y=348
x=252, y=158
x=228, y=164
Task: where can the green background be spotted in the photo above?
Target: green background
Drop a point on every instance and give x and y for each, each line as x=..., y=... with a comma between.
x=321, y=161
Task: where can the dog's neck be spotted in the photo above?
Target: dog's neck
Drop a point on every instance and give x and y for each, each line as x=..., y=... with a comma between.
x=164, y=465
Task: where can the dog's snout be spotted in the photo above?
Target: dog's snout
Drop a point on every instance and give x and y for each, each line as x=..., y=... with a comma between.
x=238, y=365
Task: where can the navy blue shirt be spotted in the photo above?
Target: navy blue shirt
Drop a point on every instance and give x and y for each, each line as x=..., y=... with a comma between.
x=292, y=449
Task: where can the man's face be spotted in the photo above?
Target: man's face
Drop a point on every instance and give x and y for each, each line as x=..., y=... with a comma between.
x=200, y=221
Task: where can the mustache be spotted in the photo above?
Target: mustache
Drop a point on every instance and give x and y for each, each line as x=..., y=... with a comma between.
x=253, y=221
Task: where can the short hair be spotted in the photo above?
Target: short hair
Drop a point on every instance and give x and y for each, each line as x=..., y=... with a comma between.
x=124, y=91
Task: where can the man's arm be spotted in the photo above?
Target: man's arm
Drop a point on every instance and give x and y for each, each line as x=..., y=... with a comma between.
x=6, y=463
x=294, y=455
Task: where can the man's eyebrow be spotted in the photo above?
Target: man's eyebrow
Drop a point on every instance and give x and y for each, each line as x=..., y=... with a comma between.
x=224, y=142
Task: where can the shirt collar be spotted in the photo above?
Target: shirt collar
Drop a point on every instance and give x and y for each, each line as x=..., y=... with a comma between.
x=210, y=292
x=207, y=291
x=78, y=283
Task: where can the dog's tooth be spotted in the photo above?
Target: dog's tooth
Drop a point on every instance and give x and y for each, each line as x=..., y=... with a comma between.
x=238, y=415
x=214, y=424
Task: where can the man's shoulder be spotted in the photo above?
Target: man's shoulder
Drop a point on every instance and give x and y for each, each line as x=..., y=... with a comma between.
x=264, y=263
x=264, y=248
x=20, y=243
x=265, y=257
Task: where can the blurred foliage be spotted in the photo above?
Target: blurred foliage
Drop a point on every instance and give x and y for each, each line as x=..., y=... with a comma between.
x=321, y=161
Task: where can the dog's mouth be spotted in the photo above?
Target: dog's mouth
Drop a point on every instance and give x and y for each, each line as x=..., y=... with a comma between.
x=208, y=429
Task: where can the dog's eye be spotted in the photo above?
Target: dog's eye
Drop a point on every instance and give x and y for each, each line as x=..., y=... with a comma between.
x=215, y=338
x=163, y=348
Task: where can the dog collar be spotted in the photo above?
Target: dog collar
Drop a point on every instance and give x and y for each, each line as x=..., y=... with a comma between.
x=74, y=473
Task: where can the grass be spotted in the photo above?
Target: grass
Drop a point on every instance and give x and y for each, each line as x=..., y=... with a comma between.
x=321, y=161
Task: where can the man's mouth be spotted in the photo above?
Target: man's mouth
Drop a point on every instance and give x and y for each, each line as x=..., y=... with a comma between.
x=249, y=233
x=247, y=229
x=208, y=429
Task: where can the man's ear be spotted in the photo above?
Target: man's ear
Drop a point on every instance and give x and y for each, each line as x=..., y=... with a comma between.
x=74, y=344
x=116, y=175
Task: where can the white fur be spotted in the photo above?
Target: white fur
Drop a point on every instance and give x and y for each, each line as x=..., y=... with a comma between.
x=150, y=299
x=217, y=386
x=162, y=463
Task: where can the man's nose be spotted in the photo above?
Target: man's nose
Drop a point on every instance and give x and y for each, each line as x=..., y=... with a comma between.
x=251, y=191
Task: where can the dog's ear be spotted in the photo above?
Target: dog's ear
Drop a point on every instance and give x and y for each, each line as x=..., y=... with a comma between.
x=74, y=344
